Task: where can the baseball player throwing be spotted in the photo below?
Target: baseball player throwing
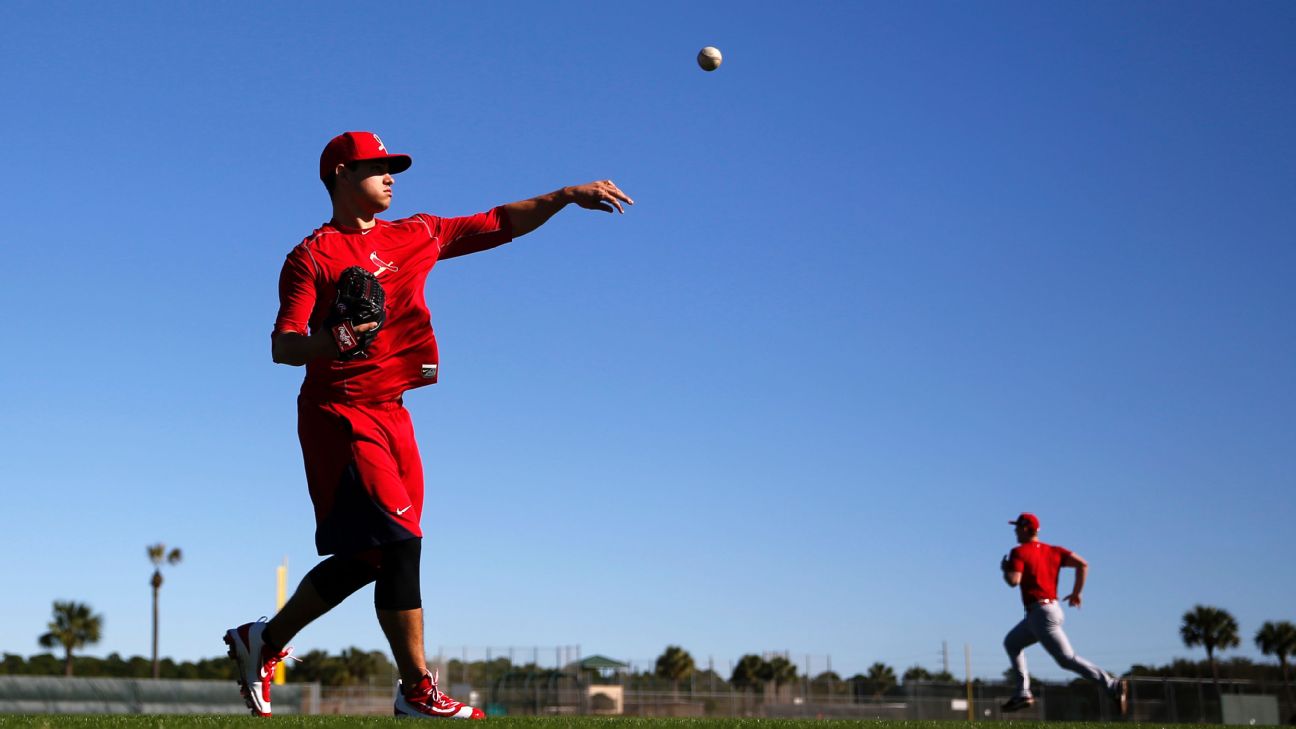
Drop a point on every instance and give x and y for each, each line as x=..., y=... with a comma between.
x=1034, y=566
x=352, y=310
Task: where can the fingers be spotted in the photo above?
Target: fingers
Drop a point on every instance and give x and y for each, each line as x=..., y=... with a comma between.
x=362, y=328
x=617, y=197
x=606, y=196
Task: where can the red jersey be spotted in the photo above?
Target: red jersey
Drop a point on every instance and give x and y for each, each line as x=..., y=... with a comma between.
x=401, y=253
x=1039, y=564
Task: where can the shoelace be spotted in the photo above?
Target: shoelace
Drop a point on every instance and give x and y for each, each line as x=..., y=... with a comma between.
x=285, y=654
x=270, y=664
x=435, y=692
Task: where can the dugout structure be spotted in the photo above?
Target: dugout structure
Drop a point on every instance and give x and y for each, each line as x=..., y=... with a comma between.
x=604, y=693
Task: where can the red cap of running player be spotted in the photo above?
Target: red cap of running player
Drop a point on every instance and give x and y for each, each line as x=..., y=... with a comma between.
x=1028, y=519
x=356, y=146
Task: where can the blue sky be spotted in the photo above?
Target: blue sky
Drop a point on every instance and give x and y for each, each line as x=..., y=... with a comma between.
x=896, y=272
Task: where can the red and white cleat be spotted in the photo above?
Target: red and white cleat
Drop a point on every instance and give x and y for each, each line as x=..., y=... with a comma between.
x=425, y=701
x=256, y=666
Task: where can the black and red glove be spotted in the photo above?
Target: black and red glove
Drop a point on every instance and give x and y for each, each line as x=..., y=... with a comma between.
x=360, y=300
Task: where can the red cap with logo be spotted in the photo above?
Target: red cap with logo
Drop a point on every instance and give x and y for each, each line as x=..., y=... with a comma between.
x=1028, y=519
x=356, y=146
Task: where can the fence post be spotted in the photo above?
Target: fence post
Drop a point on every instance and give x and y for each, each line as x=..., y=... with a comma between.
x=1201, y=704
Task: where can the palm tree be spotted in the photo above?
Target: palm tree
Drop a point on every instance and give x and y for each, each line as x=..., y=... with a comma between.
x=781, y=671
x=747, y=674
x=1212, y=628
x=881, y=679
x=827, y=683
x=1279, y=639
x=916, y=673
x=74, y=626
x=675, y=665
x=158, y=554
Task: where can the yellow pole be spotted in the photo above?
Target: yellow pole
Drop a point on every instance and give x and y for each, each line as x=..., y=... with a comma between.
x=281, y=575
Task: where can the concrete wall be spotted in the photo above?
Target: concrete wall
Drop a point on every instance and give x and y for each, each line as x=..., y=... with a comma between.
x=61, y=695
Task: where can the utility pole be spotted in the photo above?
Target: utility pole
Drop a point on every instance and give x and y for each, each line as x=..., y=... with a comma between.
x=967, y=665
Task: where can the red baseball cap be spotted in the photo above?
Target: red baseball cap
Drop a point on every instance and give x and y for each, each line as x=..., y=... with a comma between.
x=1028, y=519
x=357, y=146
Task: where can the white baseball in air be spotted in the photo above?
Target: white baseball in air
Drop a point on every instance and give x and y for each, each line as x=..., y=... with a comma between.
x=709, y=58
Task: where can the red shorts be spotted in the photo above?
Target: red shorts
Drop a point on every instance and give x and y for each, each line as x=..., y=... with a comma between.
x=364, y=473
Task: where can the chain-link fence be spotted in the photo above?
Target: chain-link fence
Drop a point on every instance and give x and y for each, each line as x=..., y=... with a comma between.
x=525, y=691
x=513, y=681
x=1180, y=701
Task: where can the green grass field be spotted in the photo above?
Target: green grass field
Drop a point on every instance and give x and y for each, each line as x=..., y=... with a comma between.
x=578, y=722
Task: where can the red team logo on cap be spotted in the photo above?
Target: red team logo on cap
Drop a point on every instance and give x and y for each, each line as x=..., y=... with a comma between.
x=357, y=146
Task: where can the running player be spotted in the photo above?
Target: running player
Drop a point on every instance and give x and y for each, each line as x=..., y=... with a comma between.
x=363, y=468
x=1034, y=566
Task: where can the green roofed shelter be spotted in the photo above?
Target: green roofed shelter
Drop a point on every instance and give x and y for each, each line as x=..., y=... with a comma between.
x=605, y=668
x=601, y=663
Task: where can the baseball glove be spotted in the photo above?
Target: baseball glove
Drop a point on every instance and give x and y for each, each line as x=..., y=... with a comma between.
x=360, y=300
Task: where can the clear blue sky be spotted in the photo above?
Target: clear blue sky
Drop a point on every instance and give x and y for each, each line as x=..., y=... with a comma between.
x=897, y=272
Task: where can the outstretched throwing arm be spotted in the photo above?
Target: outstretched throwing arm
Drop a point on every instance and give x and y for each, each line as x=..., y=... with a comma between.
x=527, y=215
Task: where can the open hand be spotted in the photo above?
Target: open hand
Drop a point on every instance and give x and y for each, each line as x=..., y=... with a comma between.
x=1073, y=599
x=602, y=195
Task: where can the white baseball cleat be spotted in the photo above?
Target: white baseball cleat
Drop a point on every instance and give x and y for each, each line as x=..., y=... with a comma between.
x=256, y=666
x=425, y=701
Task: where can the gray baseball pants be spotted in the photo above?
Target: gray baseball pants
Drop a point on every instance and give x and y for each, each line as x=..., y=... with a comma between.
x=1043, y=625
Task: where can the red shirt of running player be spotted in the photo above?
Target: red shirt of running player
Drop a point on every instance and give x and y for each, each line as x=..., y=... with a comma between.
x=1039, y=565
x=401, y=253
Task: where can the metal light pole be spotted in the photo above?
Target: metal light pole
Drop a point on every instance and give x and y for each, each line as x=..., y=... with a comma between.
x=967, y=666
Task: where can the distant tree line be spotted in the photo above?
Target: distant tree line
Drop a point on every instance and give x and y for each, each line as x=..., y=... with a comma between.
x=74, y=625
x=115, y=666
x=352, y=667
x=758, y=674
x=1236, y=668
